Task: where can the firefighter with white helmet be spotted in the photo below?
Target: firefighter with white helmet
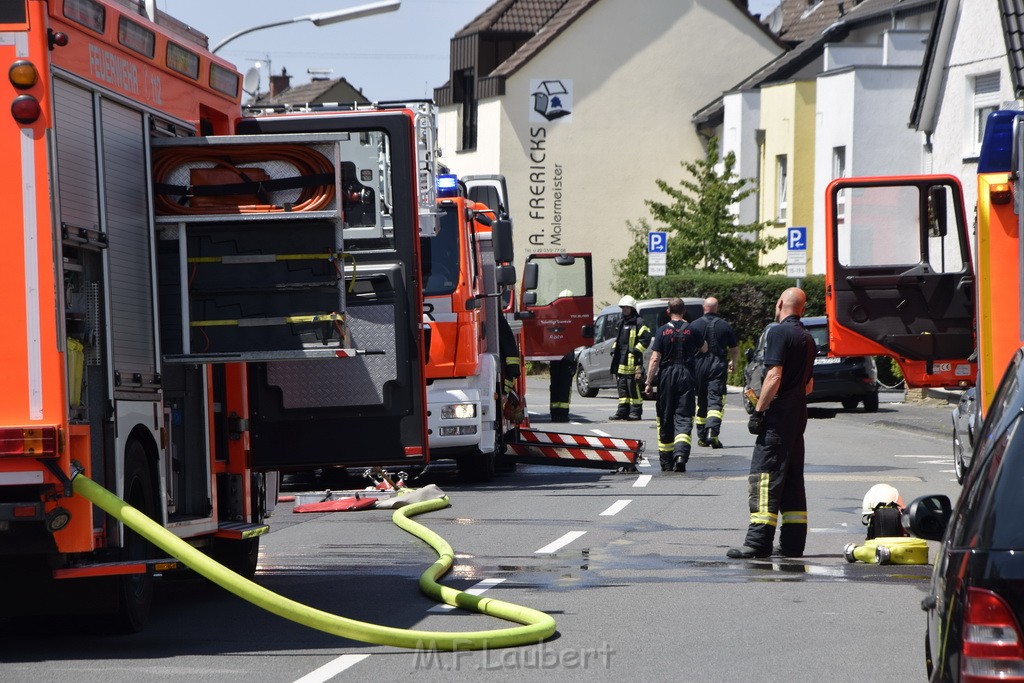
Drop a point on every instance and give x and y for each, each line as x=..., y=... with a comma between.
x=631, y=340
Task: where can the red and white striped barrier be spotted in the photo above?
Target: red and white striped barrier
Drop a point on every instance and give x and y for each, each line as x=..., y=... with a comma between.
x=575, y=450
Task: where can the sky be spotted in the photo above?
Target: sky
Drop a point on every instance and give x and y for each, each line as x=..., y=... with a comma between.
x=401, y=55
x=392, y=56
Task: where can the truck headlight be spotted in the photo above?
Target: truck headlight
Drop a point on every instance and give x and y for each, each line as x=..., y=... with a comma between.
x=458, y=411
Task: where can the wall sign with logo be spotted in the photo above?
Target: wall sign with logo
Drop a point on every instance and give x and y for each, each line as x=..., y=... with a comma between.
x=550, y=100
x=550, y=106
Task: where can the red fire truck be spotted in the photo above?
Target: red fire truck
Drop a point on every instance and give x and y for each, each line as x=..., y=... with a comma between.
x=193, y=300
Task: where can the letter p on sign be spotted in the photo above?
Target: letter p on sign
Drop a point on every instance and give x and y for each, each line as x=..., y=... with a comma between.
x=657, y=242
x=797, y=239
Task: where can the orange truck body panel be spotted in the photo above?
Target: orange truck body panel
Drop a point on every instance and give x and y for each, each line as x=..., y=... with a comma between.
x=35, y=377
x=998, y=279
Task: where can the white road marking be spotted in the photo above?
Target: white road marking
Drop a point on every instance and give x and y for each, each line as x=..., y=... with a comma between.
x=600, y=432
x=641, y=462
x=475, y=589
x=563, y=541
x=642, y=481
x=915, y=456
x=331, y=669
x=615, y=508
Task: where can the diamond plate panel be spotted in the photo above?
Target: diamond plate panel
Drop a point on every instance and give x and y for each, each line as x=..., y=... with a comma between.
x=343, y=381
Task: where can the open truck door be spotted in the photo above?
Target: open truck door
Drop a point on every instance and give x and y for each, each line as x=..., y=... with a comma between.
x=322, y=304
x=899, y=277
x=557, y=306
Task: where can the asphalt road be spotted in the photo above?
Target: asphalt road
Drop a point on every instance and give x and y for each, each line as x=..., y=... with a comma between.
x=631, y=566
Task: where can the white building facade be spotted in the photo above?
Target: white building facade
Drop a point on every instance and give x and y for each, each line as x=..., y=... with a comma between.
x=594, y=109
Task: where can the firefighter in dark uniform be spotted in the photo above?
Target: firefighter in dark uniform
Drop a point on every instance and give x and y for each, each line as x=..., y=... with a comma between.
x=559, y=392
x=776, y=484
x=508, y=349
x=676, y=344
x=713, y=368
x=631, y=340
x=560, y=386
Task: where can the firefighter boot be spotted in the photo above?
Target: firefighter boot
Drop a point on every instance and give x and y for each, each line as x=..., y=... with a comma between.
x=635, y=413
x=680, y=458
x=714, y=441
x=702, y=436
x=666, y=460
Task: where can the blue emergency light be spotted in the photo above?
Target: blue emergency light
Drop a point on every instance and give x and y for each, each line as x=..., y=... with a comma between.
x=447, y=185
x=997, y=146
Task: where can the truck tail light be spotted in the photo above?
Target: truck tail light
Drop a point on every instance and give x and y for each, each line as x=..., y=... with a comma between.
x=993, y=648
x=25, y=109
x=23, y=74
x=35, y=442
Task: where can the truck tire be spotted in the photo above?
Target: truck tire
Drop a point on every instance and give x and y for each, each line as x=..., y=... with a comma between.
x=135, y=591
x=240, y=556
x=477, y=468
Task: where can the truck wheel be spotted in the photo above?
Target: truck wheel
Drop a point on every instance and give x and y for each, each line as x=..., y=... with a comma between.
x=871, y=403
x=477, y=468
x=583, y=387
x=135, y=591
x=849, y=403
x=240, y=556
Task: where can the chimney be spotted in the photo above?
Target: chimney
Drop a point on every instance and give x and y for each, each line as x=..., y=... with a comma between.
x=278, y=84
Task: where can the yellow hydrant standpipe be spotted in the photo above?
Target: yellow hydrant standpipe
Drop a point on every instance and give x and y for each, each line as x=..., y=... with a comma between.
x=537, y=627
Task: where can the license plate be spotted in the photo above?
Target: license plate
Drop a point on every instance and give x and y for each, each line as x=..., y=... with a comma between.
x=825, y=360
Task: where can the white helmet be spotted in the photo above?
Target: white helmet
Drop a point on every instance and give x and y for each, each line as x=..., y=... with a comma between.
x=627, y=301
x=881, y=494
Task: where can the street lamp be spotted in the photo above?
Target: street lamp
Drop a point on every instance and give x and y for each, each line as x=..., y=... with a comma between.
x=322, y=18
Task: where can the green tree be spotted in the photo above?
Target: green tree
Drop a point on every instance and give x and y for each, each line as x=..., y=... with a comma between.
x=703, y=232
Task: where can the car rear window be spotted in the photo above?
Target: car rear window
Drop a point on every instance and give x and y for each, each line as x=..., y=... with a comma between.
x=654, y=317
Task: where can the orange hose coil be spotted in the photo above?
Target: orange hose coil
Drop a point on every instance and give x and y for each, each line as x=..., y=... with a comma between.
x=305, y=159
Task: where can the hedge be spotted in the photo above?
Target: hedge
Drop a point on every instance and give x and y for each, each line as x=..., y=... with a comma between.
x=747, y=302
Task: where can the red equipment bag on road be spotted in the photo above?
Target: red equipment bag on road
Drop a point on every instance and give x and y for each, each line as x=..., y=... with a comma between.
x=340, y=505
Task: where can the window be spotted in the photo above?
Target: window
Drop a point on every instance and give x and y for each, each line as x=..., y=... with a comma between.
x=782, y=178
x=839, y=171
x=883, y=227
x=224, y=80
x=181, y=60
x=135, y=37
x=986, y=101
x=467, y=81
x=13, y=12
x=555, y=276
x=86, y=13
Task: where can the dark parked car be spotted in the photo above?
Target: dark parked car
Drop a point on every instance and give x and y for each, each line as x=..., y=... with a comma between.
x=975, y=603
x=849, y=380
x=966, y=423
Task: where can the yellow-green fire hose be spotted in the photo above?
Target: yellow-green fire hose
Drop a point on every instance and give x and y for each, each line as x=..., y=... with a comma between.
x=537, y=627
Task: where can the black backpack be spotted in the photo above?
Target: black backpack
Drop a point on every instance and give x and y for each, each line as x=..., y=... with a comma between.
x=753, y=374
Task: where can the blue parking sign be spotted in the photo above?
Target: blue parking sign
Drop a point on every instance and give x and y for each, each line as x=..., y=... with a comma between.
x=796, y=239
x=657, y=242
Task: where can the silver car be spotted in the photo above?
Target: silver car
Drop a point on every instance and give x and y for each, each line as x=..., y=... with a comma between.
x=966, y=423
x=593, y=369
